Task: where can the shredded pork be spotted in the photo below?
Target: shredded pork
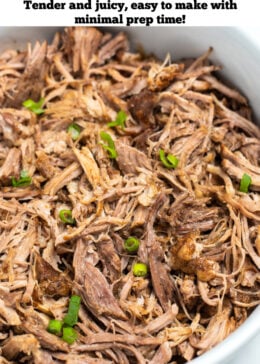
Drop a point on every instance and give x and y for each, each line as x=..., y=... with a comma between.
x=199, y=235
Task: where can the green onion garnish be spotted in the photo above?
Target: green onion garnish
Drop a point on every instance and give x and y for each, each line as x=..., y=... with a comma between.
x=64, y=327
x=169, y=161
x=110, y=147
x=131, y=244
x=66, y=217
x=140, y=269
x=120, y=120
x=35, y=107
x=55, y=327
x=23, y=181
x=69, y=335
x=245, y=183
x=74, y=131
x=72, y=316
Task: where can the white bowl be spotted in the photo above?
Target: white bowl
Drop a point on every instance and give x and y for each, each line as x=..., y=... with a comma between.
x=238, y=51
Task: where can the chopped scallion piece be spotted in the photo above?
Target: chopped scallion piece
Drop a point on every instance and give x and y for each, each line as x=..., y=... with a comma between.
x=69, y=335
x=23, y=181
x=66, y=217
x=169, y=161
x=35, y=107
x=72, y=316
x=120, y=120
x=55, y=327
x=110, y=146
x=173, y=160
x=131, y=244
x=140, y=269
x=74, y=131
x=245, y=183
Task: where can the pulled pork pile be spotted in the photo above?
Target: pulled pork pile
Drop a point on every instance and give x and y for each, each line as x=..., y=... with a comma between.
x=199, y=234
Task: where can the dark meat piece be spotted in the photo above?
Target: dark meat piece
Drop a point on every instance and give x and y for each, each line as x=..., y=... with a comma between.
x=162, y=283
x=80, y=44
x=112, y=47
x=161, y=280
x=141, y=107
x=32, y=80
x=251, y=151
x=188, y=215
x=150, y=236
x=51, y=282
x=130, y=158
x=110, y=259
x=97, y=294
x=44, y=166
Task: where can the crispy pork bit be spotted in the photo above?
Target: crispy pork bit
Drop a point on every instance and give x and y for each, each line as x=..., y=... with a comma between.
x=44, y=165
x=186, y=257
x=141, y=107
x=197, y=225
x=51, y=282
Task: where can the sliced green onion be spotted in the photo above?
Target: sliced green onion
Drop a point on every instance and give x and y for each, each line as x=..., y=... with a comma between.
x=23, y=181
x=55, y=327
x=74, y=131
x=169, y=161
x=140, y=269
x=69, y=335
x=110, y=146
x=173, y=160
x=72, y=316
x=120, y=120
x=131, y=244
x=245, y=183
x=35, y=107
x=66, y=217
